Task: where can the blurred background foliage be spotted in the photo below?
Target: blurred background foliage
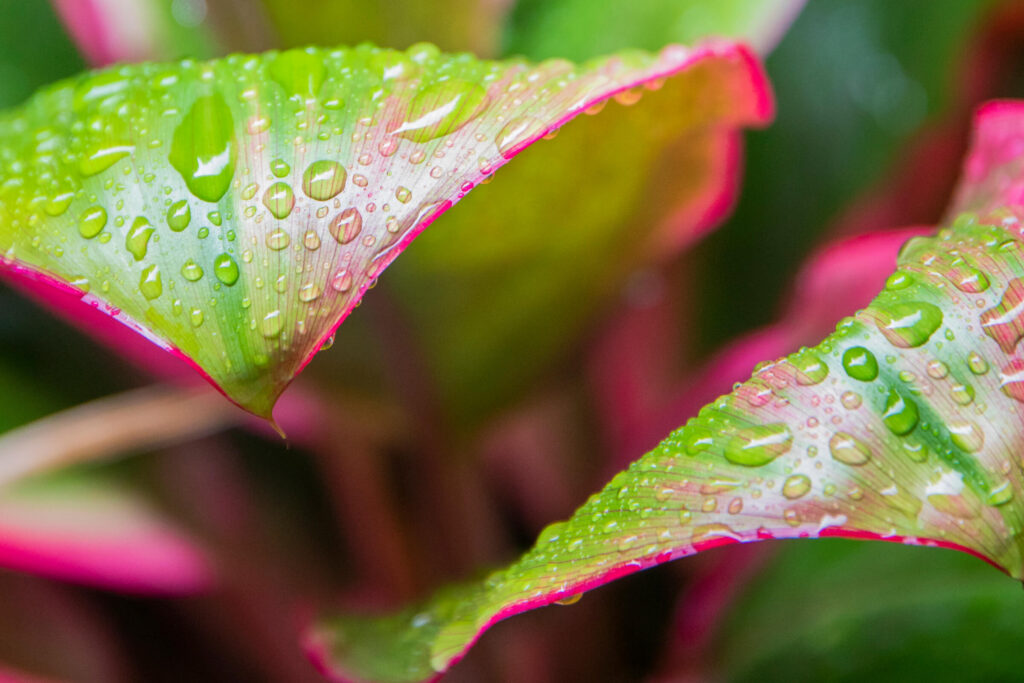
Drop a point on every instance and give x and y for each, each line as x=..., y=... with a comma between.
x=874, y=99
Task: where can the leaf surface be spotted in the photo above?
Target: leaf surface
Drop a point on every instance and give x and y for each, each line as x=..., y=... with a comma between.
x=234, y=212
x=903, y=425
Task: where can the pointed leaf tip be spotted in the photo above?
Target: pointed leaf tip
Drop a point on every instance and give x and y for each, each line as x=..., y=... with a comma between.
x=235, y=211
x=903, y=425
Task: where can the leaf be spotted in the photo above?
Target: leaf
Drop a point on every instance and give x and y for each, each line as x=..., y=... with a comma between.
x=902, y=425
x=901, y=613
x=234, y=212
x=580, y=29
x=89, y=529
x=109, y=31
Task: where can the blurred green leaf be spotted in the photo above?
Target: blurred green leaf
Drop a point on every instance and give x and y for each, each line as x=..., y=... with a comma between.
x=580, y=29
x=842, y=611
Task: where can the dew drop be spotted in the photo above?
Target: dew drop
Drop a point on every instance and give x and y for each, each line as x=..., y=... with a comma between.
x=796, y=486
x=272, y=324
x=900, y=414
x=977, y=364
x=278, y=239
x=150, y=283
x=311, y=240
x=92, y=221
x=191, y=271
x=966, y=435
x=346, y=226
x=849, y=450
x=137, y=239
x=324, y=180
x=226, y=270
x=909, y=324
x=442, y=109
x=204, y=150
x=758, y=445
x=860, y=364
x=309, y=292
x=811, y=369
x=179, y=215
x=342, y=281
x=279, y=200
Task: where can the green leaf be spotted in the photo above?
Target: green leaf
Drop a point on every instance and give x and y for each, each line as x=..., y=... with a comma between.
x=902, y=425
x=235, y=211
x=580, y=29
x=841, y=611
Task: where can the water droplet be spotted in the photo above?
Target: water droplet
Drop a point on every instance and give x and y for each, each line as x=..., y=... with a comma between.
x=403, y=194
x=570, y=600
x=346, y=226
x=696, y=440
x=137, y=239
x=1011, y=379
x=963, y=394
x=517, y=134
x=226, y=270
x=898, y=280
x=92, y=221
x=1001, y=495
x=848, y=450
x=342, y=281
x=900, y=414
x=915, y=451
x=179, y=215
x=191, y=271
x=101, y=158
x=279, y=200
x=860, y=364
x=796, y=486
x=811, y=369
x=851, y=400
x=977, y=364
x=272, y=324
x=195, y=317
x=758, y=445
x=309, y=292
x=966, y=435
x=970, y=280
x=908, y=324
x=203, y=150
x=324, y=180
x=442, y=109
x=150, y=283
x=311, y=240
x=58, y=204
x=278, y=239
x=299, y=72
x=937, y=369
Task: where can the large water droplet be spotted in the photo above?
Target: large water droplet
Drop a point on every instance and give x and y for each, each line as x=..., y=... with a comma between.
x=324, y=180
x=299, y=72
x=179, y=215
x=1011, y=379
x=204, y=150
x=191, y=271
x=848, y=450
x=99, y=159
x=137, y=239
x=966, y=435
x=860, y=364
x=279, y=199
x=1005, y=322
x=909, y=323
x=758, y=445
x=272, y=324
x=150, y=283
x=442, y=109
x=92, y=221
x=346, y=226
x=796, y=486
x=226, y=270
x=900, y=414
x=811, y=369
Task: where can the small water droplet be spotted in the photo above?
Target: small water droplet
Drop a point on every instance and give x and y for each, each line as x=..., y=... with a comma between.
x=92, y=221
x=860, y=364
x=279, y=200
x=346, y=226
x=796, y=486
x=150, y=283
x=179, y=215
x=137, y=239
x=848, y=450
x=758, y=445
x=191, y=271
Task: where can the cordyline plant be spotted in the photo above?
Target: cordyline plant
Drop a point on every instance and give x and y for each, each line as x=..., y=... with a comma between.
x=232, y=213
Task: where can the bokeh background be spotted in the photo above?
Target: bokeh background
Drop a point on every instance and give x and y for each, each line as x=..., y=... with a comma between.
x=388, y=491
